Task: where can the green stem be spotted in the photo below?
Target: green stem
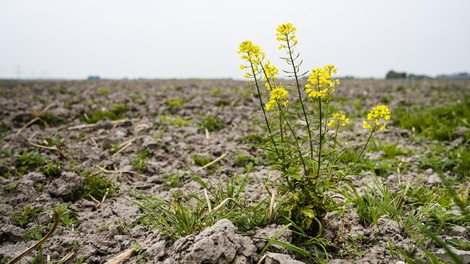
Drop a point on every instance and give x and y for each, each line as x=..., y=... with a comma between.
x=362, y=151
x=321, y=139
x=281, y=130
x=264, y=110
x=299, y=150
x=300, y=95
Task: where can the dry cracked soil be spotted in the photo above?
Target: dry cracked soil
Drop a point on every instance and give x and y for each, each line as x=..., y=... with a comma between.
x=144, y=135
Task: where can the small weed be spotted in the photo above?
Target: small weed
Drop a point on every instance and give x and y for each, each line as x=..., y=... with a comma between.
x=216, y=91
x=103, y=227
x=96, y=186
x=461, y=157
x=211, y=123
x=172, y=180
x=38, y=187
x=115, y=147
x=28, y=161
x=116, y=112
x=40, y=258
x=385, y=100
x=138, y=99
x=175, y=218
x=35, y=233
x=139, y=161
x=3, y=128
x=10, y=187
x=255, y=139
x=201, y=160
x=48, y=119
x=54, y=142
x=175, y=103
x=80, y=136
x=51, y=169
x=177, y=120
x=103, y=91
x=222, y=103
x=67, y=218
x=246, y=161
x=23, y=218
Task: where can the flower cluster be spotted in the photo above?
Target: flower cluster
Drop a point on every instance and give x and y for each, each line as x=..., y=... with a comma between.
x=321, y=83
x=377, y=113
x=286, y=32
x=270, y=73
x=278, y=95
x=253, y=55
x=338, y=120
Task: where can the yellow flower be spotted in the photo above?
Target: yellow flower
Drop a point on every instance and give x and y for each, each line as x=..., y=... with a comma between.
x=253, y=55
x=338, y=120
x=270, y=73
x=377, y=113
x=366, y=125
x=278, y=94
x=321, y=83
x=286, y=32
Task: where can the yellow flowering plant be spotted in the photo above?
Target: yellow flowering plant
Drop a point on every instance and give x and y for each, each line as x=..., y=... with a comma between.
x=300, y=123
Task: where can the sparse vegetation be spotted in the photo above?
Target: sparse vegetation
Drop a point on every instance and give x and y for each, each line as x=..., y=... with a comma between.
x=115, y=112
x=23, y=218
x=439, y=123
x=28, y=161
x=211, y=123
x=406, y=198
x=139, y=161
x=177, y=120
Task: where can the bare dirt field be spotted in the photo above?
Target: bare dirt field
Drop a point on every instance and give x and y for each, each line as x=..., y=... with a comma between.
x=89, y=149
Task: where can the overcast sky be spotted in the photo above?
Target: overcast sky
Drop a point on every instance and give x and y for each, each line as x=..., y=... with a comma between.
x=186, y=39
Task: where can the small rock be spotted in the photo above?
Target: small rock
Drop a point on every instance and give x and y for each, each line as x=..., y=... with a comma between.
x=217, y=244
x=429, y=171
x=461, y=132
x=149, y=142
x=61, y=113
x=11, y=233
x=22, y=118
x=35, y=177
x=157, y=250
x=458, y=231
x=463, y=255
x=155, y=179
x=125, y=209
x=276, y=258
x=433, y=179
x=68, y=183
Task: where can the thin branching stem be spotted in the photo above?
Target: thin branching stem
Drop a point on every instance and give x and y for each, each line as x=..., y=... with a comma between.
x=298, y=146
x=264, y=110
x=294, y=67
x=362, y=151
x=321, y=138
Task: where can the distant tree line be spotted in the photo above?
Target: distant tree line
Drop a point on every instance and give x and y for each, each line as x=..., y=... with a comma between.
x=403, y=75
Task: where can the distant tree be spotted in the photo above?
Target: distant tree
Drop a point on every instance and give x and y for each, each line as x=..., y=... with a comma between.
x=395, y=75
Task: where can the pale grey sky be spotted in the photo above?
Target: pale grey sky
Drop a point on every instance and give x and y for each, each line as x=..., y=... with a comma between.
x=184, y=39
